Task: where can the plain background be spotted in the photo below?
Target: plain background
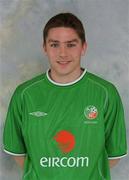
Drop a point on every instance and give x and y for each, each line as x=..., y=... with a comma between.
x=107, y=32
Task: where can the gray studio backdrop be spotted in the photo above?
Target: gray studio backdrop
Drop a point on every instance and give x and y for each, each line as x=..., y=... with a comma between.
x=21, y=23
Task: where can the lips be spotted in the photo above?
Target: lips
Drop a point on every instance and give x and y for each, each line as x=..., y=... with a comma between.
x=63, y=62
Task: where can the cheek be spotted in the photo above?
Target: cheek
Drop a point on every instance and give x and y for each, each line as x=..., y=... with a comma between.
x=52, y=53
x=76, y=53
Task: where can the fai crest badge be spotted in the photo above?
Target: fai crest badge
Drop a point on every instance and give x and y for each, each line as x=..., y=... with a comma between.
x=91, y=112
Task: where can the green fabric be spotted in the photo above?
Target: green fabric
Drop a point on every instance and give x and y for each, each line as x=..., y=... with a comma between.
x=67, y=132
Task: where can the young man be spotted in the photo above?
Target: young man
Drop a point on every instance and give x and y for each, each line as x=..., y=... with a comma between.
x=66, y=123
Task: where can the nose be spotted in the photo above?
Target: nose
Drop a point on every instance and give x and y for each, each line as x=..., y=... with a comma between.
x=63, y=51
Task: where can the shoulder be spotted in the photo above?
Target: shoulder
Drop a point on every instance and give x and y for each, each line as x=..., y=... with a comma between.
x=100, y=82
x=29, y=84
x=103, y=86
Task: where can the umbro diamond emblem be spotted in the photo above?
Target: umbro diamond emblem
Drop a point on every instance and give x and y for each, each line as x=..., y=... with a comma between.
x=38, y=113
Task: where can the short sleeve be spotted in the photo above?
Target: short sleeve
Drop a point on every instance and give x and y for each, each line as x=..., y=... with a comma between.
x=115, y=132
x=12, y=137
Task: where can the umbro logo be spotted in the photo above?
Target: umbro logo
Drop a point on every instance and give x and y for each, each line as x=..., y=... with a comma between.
x=38, y=114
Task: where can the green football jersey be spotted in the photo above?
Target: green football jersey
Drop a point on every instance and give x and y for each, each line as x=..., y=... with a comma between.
x=66, y=131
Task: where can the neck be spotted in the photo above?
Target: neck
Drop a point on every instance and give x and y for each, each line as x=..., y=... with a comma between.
x=63, y=79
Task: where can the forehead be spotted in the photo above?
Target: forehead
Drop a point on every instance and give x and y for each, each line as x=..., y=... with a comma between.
x=62, y=34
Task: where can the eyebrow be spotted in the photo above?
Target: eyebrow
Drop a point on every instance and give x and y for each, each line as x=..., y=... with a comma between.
x=56, y=41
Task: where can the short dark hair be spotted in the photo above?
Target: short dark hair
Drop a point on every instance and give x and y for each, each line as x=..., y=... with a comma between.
x=68, y=20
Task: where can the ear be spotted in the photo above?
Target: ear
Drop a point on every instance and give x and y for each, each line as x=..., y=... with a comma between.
x=84, y=48
x=44, y=48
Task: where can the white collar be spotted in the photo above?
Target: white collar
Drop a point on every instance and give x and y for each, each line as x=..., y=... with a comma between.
x=65, y=84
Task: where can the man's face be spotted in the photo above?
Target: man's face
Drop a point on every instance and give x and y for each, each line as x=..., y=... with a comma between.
x=64, y=50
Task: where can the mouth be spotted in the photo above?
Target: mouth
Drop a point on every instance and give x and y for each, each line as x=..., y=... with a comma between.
x=63, y=62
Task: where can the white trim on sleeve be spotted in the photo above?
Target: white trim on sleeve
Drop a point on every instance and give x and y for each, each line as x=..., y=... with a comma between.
x=117, y=157
x=14, y=154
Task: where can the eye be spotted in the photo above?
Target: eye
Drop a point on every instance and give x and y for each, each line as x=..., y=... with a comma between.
x=54, y=45
x=71, y=45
